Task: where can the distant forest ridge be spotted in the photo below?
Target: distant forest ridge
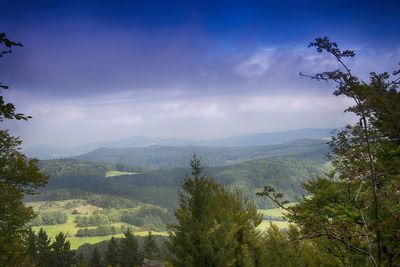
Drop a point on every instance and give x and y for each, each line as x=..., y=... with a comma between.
x=256, y=139
x=165, y=157
x=80, y=179
x=154, y=174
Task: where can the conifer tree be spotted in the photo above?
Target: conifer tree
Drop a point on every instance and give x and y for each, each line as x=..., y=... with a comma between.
x=214, y=227
x=32, y=250
x=150, y=249
x=43, y=248
x=80, y=261
x=96, y=260
x=112, y=253
x=128, y=250
x=61, y=254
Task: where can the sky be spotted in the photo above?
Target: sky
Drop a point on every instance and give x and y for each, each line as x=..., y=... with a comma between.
x=103, y=70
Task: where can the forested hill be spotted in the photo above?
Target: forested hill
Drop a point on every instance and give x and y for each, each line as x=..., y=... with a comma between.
x=160, y=187
x=156, y=157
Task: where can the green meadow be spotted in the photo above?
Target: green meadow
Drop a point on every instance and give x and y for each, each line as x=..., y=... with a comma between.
x=70, y=228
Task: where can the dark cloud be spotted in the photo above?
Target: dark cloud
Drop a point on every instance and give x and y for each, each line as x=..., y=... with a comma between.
x=143, y=65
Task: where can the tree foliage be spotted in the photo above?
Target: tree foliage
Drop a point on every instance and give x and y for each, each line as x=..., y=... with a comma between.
x=150, y=248
x=61, y=253
x=7, y=110
x=214, y=227
x=128, y=250
x=112, y=253
x=18, y=176
x=354, y=211
x=96, y=259
x=44, y=253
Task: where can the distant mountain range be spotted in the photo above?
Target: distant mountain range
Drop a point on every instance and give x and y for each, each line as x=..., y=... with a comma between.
x=257, y=139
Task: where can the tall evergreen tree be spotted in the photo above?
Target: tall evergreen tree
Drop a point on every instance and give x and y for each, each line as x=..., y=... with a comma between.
x=96, y=260
x=128, y=250
x=61, y=254
x=150, y=248
x=32, y=250
x=214, y=227
x=43, y=248
x=112, y=253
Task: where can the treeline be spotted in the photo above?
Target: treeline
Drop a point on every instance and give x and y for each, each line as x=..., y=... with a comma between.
x=93, y=220
x=103, y=201
x=148, y=247
x=41, y=251
x=147, y=217
x=49, y=218
x=68, y=167
x=126, y=251
x=101, y=231
x=166, y=157
x=160, y=187
x=215, y=227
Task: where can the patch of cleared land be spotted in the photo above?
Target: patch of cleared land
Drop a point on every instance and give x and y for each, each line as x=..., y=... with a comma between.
x=266, y=224
x=83, y=208
x=118, y=173
x=276, y=212
x=79, y=205
x=70, y=227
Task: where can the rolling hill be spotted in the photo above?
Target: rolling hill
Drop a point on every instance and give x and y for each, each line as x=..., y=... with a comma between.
x=257, y=139
x=161, y=157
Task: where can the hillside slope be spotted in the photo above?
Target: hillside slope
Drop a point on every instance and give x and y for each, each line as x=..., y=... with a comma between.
x=160, y=187
x=156, y=157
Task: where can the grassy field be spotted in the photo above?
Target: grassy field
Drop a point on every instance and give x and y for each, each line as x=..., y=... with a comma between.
x=277, y=212
x=265, y=224
x=70, y=227
x=84, y=208
x=118, y=173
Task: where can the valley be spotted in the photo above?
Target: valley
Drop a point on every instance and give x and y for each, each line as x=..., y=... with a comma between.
x=105, y=192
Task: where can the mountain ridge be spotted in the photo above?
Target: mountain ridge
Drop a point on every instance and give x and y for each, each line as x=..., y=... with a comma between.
x=161, y=157
x=255, y=139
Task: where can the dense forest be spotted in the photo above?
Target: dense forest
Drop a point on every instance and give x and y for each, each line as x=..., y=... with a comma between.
x=170, y=157
x=159, y=187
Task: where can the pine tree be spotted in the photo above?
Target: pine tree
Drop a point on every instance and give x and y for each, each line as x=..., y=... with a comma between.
x=32, y=250
x=43, y=248
x=112, y=253
x=61, y=254
x=128, y=250
x=150, y=249
x=96, y=260
x=214, y=227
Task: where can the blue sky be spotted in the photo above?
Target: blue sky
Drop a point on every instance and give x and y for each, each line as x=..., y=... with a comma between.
x=101, y=70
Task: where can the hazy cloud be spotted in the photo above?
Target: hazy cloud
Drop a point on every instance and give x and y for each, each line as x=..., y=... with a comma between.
x=97, y=71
